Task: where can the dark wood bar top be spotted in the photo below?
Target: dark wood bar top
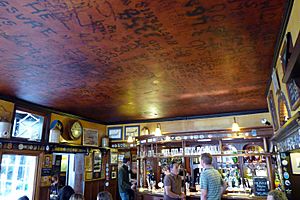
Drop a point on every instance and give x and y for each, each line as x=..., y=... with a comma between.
x=158, y=195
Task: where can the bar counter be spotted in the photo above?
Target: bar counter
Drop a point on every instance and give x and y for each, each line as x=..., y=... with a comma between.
x=158, y=195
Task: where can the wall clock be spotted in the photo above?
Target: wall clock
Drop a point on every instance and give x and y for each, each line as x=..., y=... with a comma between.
x=75, y=130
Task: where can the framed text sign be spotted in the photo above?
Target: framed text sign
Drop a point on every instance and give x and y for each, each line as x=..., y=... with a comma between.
x=261, y=186
x=115, y=133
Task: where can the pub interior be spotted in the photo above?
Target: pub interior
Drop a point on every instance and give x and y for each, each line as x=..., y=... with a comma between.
x=85, y=84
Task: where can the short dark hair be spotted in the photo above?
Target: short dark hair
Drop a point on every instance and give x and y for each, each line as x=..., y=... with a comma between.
x=172, y=164
x=23, y=198
x=66, y=192
x=206, y=158
x=165, y=167
x=125, y=160
x=277, y=195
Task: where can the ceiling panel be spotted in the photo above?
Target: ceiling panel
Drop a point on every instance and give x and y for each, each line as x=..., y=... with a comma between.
x=124, y=60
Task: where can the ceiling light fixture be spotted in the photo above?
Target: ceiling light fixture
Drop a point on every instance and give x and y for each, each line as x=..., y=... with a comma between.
x=235, y=126
x=158, y=130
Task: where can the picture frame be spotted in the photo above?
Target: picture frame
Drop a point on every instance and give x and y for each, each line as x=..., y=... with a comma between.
x=90, y=137
x=113, y=175
x=295, y=162
x=133, y=131
x=113, y=158
x=115, y=133
x=275, y=81
x=293, y=92
x=272, y=109
x=97, y=161
x=286, y=51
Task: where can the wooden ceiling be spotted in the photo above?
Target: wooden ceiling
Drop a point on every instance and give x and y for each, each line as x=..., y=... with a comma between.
x=124, y=60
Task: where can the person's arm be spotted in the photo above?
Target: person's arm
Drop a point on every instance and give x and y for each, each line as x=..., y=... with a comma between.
x=223, y=187
x=171, y=194
x=203, y=194
x=203, y=186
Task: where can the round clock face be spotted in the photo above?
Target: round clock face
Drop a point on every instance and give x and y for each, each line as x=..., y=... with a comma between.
x=76, y=130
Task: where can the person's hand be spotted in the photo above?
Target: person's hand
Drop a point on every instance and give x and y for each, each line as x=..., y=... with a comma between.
x=133, y=187
x=182, y=196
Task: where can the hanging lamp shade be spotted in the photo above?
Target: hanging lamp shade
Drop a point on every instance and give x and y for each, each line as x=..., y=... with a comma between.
x=235, y=126
x=158, y=130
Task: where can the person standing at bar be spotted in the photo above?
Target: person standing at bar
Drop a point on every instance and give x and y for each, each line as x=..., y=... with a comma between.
x=123, y=180
x=211, y=183
x=172, y=184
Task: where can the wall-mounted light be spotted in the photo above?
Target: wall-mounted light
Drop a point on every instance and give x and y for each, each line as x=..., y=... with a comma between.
x=235, y=126
x=158, y=130
x=265, y=122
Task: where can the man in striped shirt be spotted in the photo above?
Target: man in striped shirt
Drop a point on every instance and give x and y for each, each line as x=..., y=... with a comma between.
x=211, y=183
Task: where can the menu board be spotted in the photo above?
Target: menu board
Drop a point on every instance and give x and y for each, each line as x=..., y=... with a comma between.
x=294, y=94
x=261, y=186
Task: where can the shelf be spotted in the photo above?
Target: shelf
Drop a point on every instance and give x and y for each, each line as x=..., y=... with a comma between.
x=209, y=141
x=214, y=155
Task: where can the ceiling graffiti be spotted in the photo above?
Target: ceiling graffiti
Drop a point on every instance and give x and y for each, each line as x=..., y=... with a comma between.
x=123, y=60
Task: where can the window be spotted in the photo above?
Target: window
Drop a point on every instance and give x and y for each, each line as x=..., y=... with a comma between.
x=28, y=126
x=17, y=176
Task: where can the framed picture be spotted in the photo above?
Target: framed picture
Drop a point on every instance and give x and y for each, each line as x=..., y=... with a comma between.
x=272, y=110
x=293, y=94
x=113, y=158
x=295, y=162
x=88, y=175
x=133, y=131
x=90, y=137
x=88, y=162
x=286, y=51
x=97, y=164
x=115, y=133
x=113, y=174
x=275, y=81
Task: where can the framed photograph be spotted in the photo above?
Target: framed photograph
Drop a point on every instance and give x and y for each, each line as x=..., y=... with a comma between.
x=115, y=133
x=113, y=174
x=133, y=131
x=90, y=137
x=295, y=162
x=113, y=158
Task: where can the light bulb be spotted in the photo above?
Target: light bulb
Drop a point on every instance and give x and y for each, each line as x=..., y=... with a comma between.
x=129, y=139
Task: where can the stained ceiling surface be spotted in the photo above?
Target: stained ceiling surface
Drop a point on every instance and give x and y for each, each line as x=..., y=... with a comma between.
x=124, y=60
